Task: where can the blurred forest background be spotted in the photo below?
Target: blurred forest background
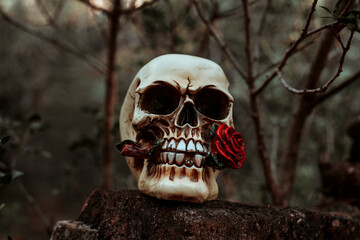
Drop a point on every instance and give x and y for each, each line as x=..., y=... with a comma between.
x=65, y=66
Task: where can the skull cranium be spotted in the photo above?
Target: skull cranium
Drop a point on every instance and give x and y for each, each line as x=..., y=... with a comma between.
x=176, y=98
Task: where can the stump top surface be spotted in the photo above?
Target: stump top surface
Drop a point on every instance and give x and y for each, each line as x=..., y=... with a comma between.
x=128, y=214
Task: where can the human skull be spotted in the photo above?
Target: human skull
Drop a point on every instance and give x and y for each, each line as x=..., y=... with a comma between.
x=176, y=98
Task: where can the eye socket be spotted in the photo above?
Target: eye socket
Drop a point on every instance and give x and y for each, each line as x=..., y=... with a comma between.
x=160, y=99
x=212, y=103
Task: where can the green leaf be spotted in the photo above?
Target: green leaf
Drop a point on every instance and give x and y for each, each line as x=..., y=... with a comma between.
x=353, y=12
x=4, y=140
x=155, y=146
x=2, y=206
x=16, y=174
x=348, y=19
x=328, y=10
x=213, y=161
x=6, y=178
x=337, y=7
x=213, y=130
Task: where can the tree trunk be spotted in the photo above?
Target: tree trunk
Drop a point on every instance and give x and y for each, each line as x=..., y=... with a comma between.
x=303, y=111
x=111, y=88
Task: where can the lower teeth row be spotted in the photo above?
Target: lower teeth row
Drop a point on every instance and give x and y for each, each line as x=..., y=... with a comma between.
x=181, y=159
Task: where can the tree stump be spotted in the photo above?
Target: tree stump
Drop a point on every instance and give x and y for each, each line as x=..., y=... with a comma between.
x=128, y=214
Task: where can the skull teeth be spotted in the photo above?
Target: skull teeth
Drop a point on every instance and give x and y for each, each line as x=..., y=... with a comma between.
x=182, y=152
x=181, y=159
x=191, y=146
x=172, y=144
x=182, y=146
x=170, y=157
x=198, y=160
x=199, y=147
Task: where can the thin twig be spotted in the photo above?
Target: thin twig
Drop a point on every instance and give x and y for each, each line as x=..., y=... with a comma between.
x=133, y=10
x=102, y=30
x=66, y=37
x=289, y=52
x=31, y=201
x=226, y=13
x=338, y=88
x=219, y=40
x=329, y=82
x=52, y=41
x=259, y=35
x=273, y=65
x=319, y=29
x=45, y=12
x=255, y=113
x=249, y=57
x=58, y=9
x=89, y=4
x=308, y=19
x=263, y=18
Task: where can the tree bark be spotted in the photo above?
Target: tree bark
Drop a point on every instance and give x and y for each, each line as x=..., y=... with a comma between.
x=132, y=215
x=303, y=111
x=111, y=87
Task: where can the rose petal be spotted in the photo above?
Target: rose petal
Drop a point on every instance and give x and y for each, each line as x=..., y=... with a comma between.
x=220, y=129
x=235, y=144
x=229, y=132
x=213, y=146
x=228, y=146
x=223, y=156
x=237, y=140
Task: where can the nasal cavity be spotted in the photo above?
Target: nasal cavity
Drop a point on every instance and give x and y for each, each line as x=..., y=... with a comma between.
x=188, y=115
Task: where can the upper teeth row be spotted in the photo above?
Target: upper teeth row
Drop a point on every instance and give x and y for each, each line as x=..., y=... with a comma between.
x=182, y=146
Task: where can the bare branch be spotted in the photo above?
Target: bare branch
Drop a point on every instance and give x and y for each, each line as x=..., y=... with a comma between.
x=132, y=10
x=226, y=13
x=219, y=40
x=308, y=19
x=98, y=67
x=45, y=12
x=329, y=82
x=89, y=4
x=102, y=30
x=338, y=88
x=263, y=17
x=255, y=113
x=273, y=65
x=58, y=9
x=249, y=57
x=259, y=36
x=289, y=52
x=319, y=29
x=31, y=201
x=66, y=37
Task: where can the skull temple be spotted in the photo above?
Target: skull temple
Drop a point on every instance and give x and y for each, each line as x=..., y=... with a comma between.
x=176, y=98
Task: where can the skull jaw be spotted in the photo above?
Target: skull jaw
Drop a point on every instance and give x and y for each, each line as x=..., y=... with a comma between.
x=170, y=182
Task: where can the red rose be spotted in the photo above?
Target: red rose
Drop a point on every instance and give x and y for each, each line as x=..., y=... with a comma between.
x=228, y=147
